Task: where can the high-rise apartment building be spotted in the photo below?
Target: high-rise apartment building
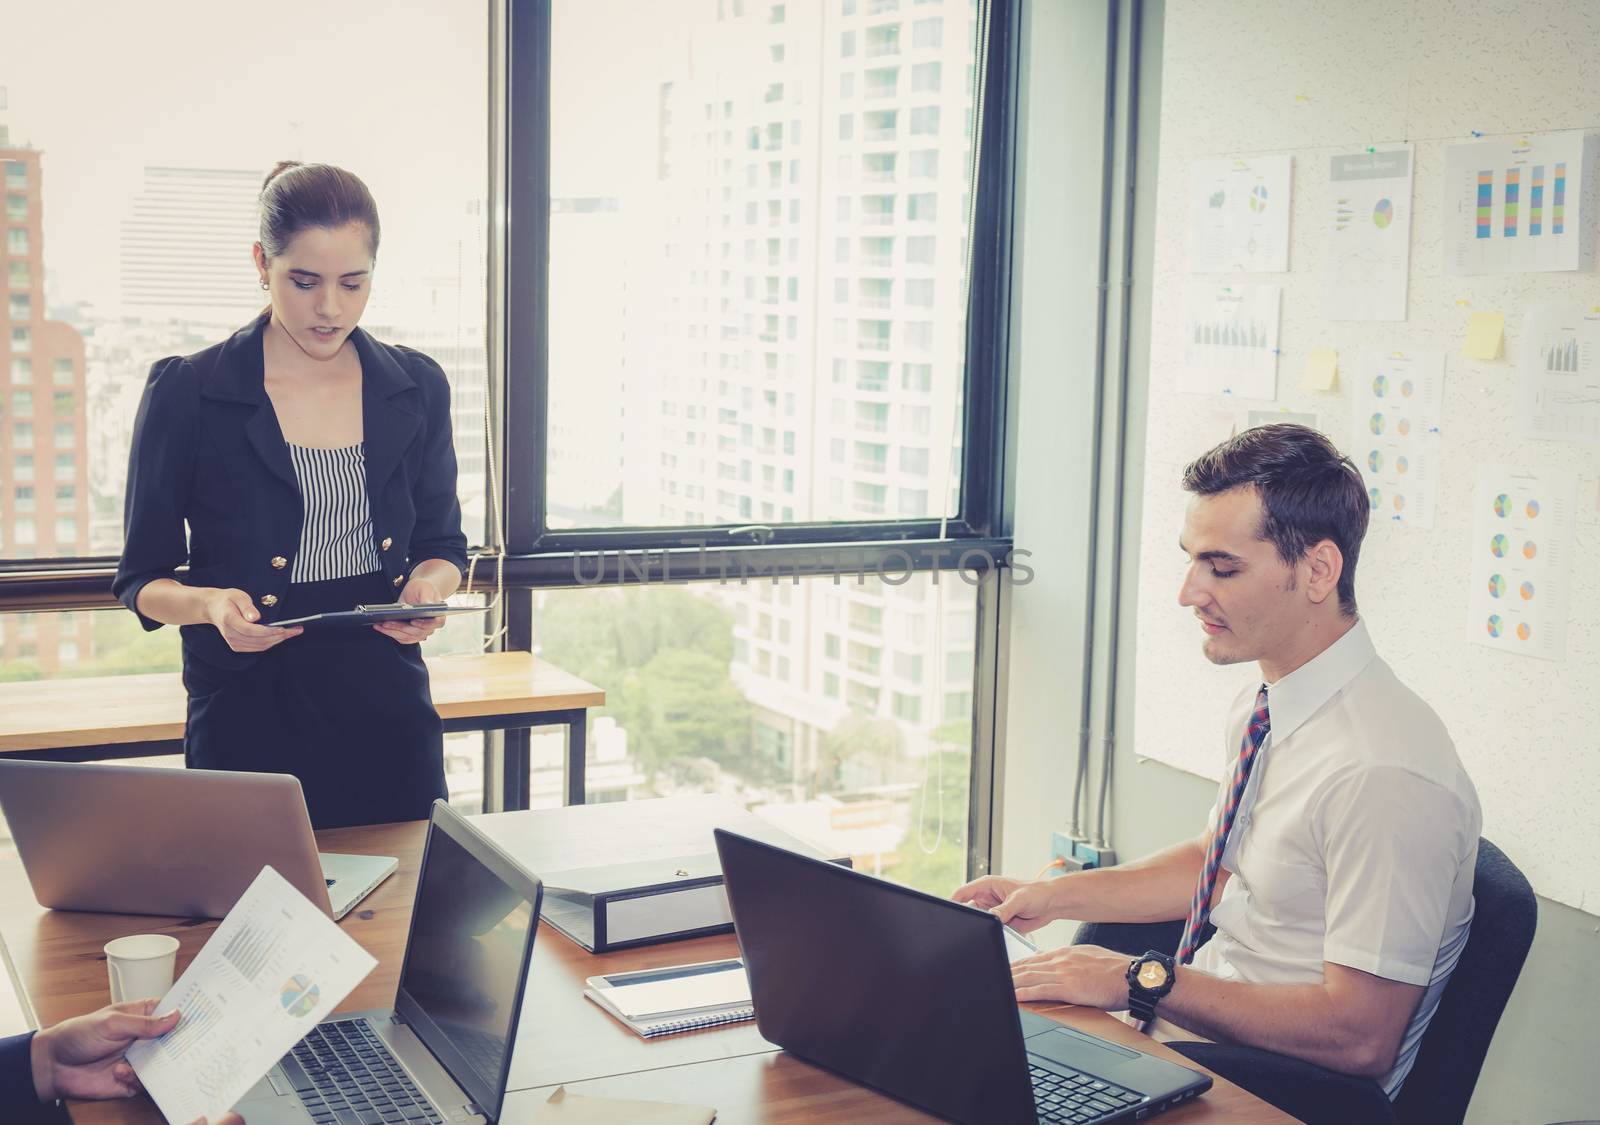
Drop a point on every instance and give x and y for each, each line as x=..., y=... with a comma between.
x=804, y=350
x=186, y=246
x=44, y=501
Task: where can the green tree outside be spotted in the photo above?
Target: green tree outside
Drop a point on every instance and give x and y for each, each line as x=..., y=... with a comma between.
x=663, y=656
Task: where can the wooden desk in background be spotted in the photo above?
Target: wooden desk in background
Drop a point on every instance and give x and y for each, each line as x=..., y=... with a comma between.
x=563, y=1039
x=102, y=717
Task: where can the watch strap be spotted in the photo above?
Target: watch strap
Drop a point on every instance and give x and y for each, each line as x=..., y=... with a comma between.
x=1142, y=1007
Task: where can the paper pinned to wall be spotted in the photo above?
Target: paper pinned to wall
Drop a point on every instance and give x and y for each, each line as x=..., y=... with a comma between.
x=1369, y=235
x=1397, y=400
x=1522, y=546
x=1486, y=334
x=1558, y=388
x=1239, y=215
x=1231, y=340
x=1514, y=205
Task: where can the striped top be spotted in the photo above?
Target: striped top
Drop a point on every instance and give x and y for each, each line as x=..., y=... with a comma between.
x=336, y=538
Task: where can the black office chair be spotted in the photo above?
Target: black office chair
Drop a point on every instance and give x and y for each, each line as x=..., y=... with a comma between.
x=1440, y=1084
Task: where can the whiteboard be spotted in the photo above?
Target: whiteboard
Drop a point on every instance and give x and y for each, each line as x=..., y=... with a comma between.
x=1249, y=78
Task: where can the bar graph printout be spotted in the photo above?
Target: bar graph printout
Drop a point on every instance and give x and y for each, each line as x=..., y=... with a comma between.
x=1514, y=205
x=1230, y=344
x=1558, y=386
x=275, y=966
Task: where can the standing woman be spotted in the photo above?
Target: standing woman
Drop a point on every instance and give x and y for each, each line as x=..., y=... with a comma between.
x=314, y=469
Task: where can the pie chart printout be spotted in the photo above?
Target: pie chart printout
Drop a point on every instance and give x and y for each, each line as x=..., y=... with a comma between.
x=299, y=996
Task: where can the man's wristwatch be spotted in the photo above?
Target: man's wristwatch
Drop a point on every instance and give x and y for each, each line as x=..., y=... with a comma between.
x=1149, y=979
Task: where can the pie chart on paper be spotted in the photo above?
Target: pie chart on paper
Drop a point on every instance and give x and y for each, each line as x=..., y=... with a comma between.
x=299, y=996
x=1383, y=214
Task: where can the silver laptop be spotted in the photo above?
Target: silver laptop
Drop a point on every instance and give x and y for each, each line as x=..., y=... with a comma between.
x=150, y=840
x=443, y=1053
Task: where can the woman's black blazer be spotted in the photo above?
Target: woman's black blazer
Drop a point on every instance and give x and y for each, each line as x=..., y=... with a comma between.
x=208, y=451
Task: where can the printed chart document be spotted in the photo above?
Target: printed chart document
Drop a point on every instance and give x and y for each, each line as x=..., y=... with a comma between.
x=1394, y=433
x=1514, y=205
x=1239, y=215
x=1558, y=389
x=1522, y=547
x=275, y=966
x=1231, y=340
x=1369, y=235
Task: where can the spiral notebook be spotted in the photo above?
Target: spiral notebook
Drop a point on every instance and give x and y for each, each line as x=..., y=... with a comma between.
x=677, y=998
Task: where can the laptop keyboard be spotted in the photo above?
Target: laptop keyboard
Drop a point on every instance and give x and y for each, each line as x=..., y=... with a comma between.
x=1072, y=1099
x=344, y=1074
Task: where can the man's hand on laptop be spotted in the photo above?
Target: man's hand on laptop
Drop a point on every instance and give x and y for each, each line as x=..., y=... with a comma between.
x=1075, y=974
x=82, y=1057
x=1022, y=906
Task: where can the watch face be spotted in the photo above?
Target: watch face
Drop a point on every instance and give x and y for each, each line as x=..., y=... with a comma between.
x=1152, y=975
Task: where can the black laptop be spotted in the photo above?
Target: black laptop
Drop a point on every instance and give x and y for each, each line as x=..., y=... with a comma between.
x=443, y=1053
x=911, y=995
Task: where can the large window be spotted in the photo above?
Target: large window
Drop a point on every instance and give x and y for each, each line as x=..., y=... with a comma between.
x=765, y=350
x=820, y=704
x=129, y=219
x=747, y=311
x=703, y=202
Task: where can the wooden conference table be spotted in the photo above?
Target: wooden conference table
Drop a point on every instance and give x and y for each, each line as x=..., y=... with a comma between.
x=563, y=1039
x=92, y=719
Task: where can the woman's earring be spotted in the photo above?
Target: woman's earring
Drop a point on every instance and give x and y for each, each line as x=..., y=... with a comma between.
x=264, y=285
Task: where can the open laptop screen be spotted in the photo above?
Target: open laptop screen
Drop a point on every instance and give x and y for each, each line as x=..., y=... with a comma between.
x=466, y=961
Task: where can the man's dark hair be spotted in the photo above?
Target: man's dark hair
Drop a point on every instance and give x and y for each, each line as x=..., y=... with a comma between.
x=1309, y=492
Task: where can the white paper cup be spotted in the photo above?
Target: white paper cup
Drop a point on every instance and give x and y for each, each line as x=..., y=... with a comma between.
x=141, y=965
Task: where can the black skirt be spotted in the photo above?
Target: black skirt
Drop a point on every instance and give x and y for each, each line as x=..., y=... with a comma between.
x=347, y=711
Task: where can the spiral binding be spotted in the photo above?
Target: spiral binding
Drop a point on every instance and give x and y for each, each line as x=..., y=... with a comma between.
x=651, y=1030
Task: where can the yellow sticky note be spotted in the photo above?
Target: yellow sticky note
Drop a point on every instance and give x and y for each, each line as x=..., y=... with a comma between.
x=1486, y=331
x=1322, y=369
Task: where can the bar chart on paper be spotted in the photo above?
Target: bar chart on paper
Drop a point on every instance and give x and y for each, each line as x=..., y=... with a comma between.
x=1231, y=340
x=1514, y=205
x=275, y=965
x=1558, y=387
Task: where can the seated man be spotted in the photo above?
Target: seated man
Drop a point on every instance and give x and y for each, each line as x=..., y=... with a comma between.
x=79, y=1058
x=1338, y=861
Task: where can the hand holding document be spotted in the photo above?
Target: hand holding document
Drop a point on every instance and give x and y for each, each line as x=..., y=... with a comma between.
x=272, y=970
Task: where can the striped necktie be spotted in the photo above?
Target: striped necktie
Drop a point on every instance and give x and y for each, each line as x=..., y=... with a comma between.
x=1200, y=909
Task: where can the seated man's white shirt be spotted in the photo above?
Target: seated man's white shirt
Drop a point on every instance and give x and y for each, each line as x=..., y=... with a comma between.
x=1356, y=838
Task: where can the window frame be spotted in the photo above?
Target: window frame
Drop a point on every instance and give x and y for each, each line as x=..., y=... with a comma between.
x=517, y=215
x=542, y=555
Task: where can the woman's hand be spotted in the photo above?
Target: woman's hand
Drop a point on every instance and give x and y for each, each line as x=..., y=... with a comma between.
x=234, y=615
x=419, y=591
